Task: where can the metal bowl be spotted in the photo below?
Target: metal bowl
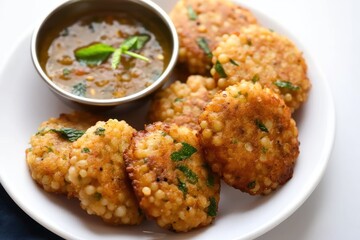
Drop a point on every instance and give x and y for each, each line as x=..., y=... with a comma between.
x=74, y=9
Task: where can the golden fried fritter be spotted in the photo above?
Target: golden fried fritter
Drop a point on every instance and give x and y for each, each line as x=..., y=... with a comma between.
x=259, y=54
x=200, y=25
x=97, y=173
x=48, y=156
x=249, y=138
x=170, y=178
x=182, y=103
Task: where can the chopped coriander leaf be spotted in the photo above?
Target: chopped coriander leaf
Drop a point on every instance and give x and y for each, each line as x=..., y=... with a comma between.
x=185, y=152
x=233, y=62
x=163, y=134
x=41, y=132
x=251, y=184
x=212, y=208
x=210, y=181
x=234, y=141
x=49, y=149
x=255, y=78
x=97, y=196
x=189, y=174
x=286, y=84
x=264, y=149
x=182, y=187
x=69, y=134
x=79, y=89
x=261, y=126
x=203, y=44
x=66, y=71
x=191, y=13
x=85, y=150
x=220, y=70
x=100, y=131
x=178, y=100
x=94, y=54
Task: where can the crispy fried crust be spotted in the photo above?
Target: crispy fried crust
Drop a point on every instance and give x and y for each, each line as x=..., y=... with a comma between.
x=182, y=103
x=179, y=194
x=212, y=19
x=48, y=156
x=97, y=173
x=259, y=54
x=249, y=138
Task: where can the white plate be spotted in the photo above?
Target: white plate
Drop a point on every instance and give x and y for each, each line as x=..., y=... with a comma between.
x=25, y=101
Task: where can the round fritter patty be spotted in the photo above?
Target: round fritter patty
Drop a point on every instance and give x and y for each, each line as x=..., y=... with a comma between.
x=98, y=174
x=182, y=103
x=249, y=138
x=48, y=156
x=259, y=54
x=170, y=177
x=200, y=25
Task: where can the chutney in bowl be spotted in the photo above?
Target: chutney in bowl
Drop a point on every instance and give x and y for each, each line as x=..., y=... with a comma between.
x=105, y=52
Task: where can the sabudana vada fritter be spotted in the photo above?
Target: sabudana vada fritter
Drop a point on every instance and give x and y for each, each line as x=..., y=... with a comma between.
x=249, y=138
x=182, y=103
x=97, y=172
x=170, y=177
x=200, y=25
x=48, y=156
x=260, y=55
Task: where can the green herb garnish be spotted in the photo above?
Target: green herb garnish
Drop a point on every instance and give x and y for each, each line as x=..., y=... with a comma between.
x=261, y=126
x=286, y=84
x=191, y=13
x=79, y=89
x=185, y=152
x=85, y=150
x=66, y=71
x=264, y=149
x=49, y=149
x=233, y=62
x=100, y=131
x=142, y=40
x=132, y=43
x=69, y=134
x=251, y=184
x=178, y=100
x=97, y=196
x=189, y=174
x=182, y=187
x=255, y=78
x=220, y=70
x=94, y=54
x=203, y=44
x=212, y=208
x=210, y=181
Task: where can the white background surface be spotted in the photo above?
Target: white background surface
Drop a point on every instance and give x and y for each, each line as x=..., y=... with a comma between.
x=331, y=31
